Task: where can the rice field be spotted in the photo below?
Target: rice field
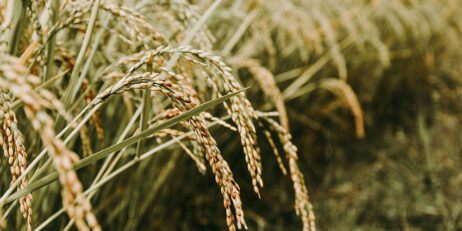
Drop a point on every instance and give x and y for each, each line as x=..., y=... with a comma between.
x=224, y=115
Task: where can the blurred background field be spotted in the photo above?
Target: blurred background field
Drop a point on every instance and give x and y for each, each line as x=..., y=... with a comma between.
x=370, y=90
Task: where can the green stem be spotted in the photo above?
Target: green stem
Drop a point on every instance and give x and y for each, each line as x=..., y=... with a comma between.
x=16, y=26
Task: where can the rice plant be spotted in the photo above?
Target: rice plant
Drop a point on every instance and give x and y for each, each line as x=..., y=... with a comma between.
x=109, y=109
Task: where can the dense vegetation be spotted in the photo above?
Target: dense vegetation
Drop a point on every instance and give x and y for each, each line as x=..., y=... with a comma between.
x=213, y=115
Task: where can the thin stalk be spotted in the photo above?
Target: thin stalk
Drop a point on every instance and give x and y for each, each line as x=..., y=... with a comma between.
x=146, y=105
x=72, y=89
x=94, y=46
x=54, y=5
x=16, y=26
